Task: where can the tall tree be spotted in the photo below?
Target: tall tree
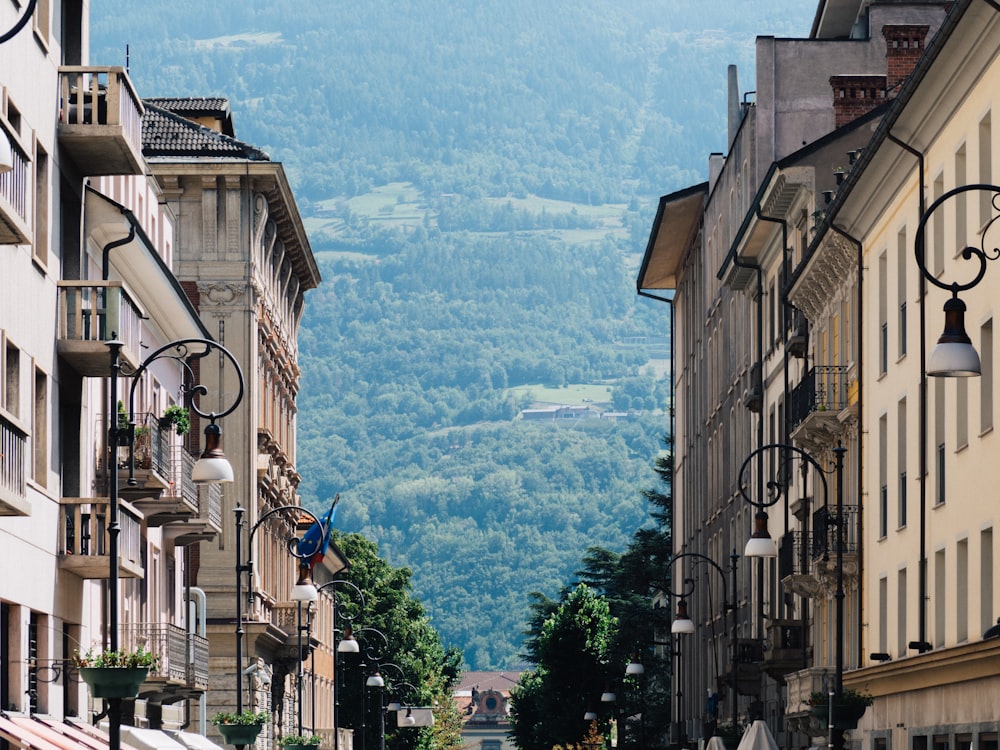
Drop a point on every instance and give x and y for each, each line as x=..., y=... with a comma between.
x=571, y=668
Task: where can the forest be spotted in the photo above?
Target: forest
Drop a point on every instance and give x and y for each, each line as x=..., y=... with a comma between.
x=478, y=181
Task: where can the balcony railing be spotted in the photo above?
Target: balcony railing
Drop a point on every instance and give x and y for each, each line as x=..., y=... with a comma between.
x=823, y=389
x=791, y=560
x=13, y=470
x=210, y=504
x=89, y=313
x=825, y=531
x=100, y=120
x=183, y=656
x=83, y=543
x=15, y=197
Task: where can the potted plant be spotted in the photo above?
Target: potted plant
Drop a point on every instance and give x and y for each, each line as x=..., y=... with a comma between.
x=846, y=711
x=115, y=674
x=241, y=728
x=300, y=741
x=177, y=417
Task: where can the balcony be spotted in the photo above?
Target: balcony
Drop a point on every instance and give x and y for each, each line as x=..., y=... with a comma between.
x=182, y=671
x=16, y=189
x=816, y=403
x=90, y=313
x=83, y=543
x=13, y=469
x=785, y=650
x=206, y=524
x=807, y=563
x=100, y=120
x=800, y=685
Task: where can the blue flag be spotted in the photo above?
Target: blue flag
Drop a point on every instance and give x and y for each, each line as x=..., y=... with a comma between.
x=313, y=544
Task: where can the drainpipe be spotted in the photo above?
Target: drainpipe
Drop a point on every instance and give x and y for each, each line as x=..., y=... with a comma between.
x=922, y=568
x=860, y=335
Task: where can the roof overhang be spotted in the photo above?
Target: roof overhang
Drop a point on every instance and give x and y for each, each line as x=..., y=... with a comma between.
x=678, y=219
x=139, y=265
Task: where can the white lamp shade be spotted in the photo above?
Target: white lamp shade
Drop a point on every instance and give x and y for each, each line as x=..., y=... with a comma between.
x=954, y=360
x=348, y=646
x=304, y=592
x=590, y=716
x=212, y=471
x=375, y=680
x=6, y=153
x=634, y=668
x=608, y=696
x=682, y=626
x=761, y=547
x=393, y=706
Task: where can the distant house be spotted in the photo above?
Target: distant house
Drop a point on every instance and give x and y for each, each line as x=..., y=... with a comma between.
x=484, y=698
x=615, y=416
x=551, y=413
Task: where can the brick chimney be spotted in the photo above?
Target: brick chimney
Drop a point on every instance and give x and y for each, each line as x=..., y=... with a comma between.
x=855, y=95
x=904, y=45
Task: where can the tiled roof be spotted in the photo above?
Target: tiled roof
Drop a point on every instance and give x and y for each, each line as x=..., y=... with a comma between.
x=165, y=133
x=193, y=105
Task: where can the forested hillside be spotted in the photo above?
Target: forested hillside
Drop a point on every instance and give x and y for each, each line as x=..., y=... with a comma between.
x=478, y=181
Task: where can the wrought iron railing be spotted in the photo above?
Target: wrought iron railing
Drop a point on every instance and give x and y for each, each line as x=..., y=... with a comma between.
x=13, y=466
x=85, y=529
x=92, y=311
x=826, y=530
x=824, y=388
x=183, y=656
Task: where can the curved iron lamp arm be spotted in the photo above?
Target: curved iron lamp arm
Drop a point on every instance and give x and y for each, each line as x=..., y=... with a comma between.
x=21, y=22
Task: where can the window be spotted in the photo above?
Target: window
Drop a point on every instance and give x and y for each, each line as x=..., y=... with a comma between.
x=962, y=590
x=40, y=248
x=883, y=614
x=985, y=579
x=901, y=640
x=939, y=496
x=937, y=230
x=883, y=471
x=961, y=201
x=986, y=381
x=901, y=459
x=39, y=429
x=985, y=168
x=961, y=412
x=10, y=398
x=883, y=314
x=940, y=610
x=902, y=263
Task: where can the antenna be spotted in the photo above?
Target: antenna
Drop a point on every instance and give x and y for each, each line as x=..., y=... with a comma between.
x=126, y=60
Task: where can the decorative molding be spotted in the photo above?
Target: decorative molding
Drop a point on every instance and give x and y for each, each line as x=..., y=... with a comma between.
x=831, y=269
x=221, y=293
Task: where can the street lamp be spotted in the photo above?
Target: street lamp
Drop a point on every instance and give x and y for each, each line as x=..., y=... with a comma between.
x=954, y=355
x=777, y=488
x=683, y=625
x=185, y=352
x=20, y=24
x=346, y=645
x=369, y=655
x=304, y=590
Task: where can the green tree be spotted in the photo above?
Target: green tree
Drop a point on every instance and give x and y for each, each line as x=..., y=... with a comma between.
x=411, y=643
x=571, y=667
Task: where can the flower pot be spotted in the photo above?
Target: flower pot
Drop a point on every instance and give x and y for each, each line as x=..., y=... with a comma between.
x=845, y=715
x=300, y=746
x=240, y=734
x=114, y=682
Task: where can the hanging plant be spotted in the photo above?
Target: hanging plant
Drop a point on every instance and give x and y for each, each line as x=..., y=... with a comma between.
x=178, y=417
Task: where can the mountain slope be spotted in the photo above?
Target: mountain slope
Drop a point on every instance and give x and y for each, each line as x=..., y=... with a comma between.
x=478, y=180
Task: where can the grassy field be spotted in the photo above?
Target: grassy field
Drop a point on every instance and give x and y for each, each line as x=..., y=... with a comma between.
x=571, y=395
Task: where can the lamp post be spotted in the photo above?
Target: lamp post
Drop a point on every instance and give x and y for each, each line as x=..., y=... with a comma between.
x=370, y=655
x=20, y=23
x=346, y=645
x=304, y=589
x=212, y=467
x=762, y=545
x=683, y=625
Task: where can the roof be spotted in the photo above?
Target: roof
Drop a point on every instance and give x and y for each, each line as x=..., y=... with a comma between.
x=502, y=682
x=216, y=107
x=678, y=218
x=166, y=133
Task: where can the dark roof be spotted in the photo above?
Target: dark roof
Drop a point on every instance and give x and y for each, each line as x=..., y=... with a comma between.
x=199, y=106
x=165, y=133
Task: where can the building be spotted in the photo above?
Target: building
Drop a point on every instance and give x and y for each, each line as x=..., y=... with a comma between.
x=483, y=698
x=929, y=591
x=109, y=232
x=756, y=367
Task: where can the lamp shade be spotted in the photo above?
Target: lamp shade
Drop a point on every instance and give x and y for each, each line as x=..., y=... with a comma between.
x=635, y=668
x=608, y=696
x=590, y=716
x=761, y=544
x=6, y=153
x=954, y=356
x=304, y=589
x=348, y=646
x=393, y=706
x=375, y=680
x=682, y=624
x=213, y=467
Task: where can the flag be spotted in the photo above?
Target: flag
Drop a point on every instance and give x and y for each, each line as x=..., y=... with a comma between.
x=312, y=546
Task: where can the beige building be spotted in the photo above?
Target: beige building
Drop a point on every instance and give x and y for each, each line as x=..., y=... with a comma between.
x=766, y=354
x=109, y=232
x=930, y=593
